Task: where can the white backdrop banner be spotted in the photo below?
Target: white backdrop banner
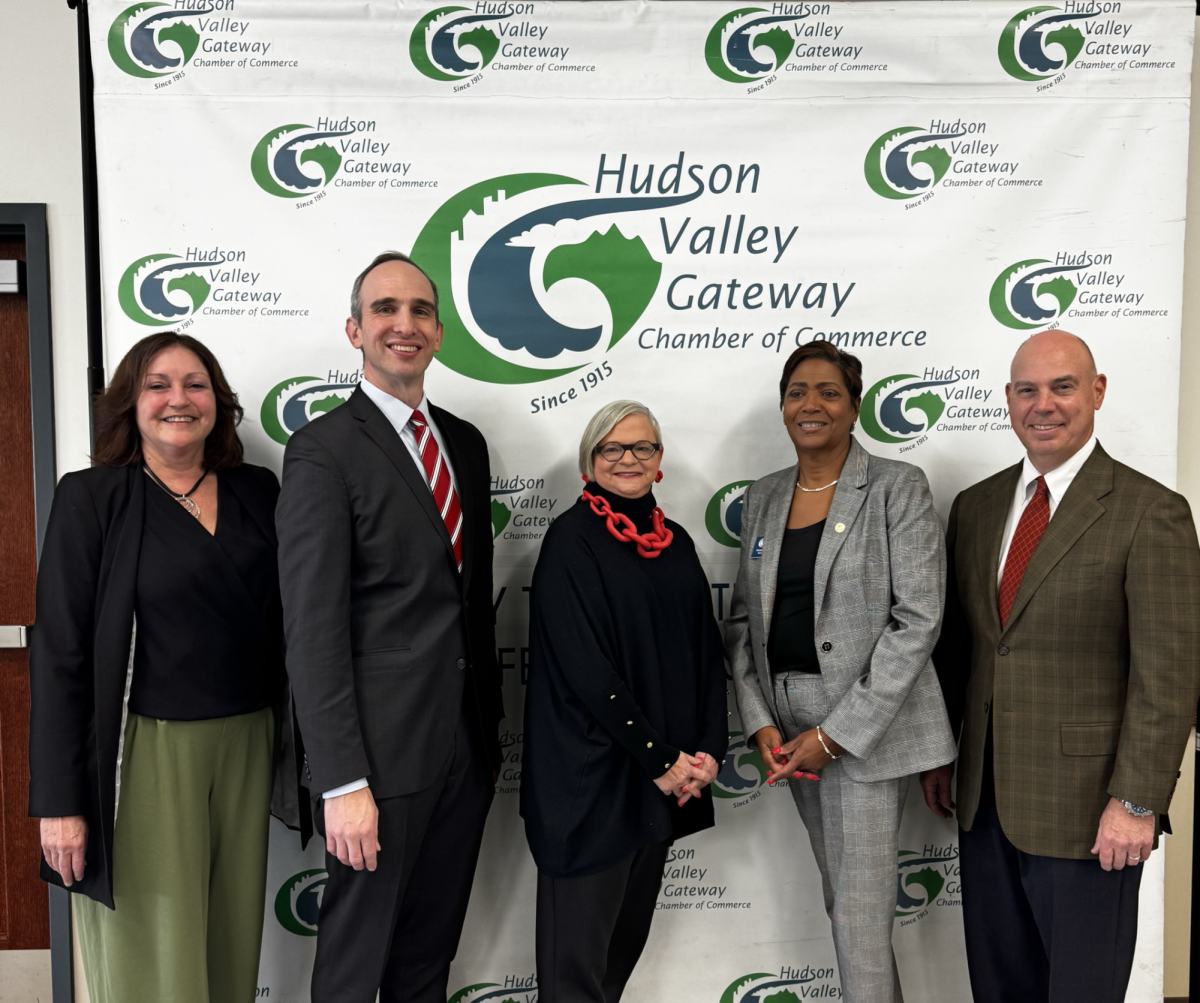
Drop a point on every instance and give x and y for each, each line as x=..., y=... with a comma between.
x=660, y=201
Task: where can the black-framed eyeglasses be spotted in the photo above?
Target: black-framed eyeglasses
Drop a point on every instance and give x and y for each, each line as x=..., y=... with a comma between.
x=615, y=451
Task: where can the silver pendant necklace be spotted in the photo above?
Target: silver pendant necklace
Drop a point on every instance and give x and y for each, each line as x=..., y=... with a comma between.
x=810, y=491
x=184, y=499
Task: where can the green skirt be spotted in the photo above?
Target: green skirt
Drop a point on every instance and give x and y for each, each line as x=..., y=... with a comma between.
x=189, y=865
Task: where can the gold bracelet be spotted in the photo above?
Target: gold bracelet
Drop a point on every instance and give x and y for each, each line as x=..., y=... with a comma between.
x=824, y=746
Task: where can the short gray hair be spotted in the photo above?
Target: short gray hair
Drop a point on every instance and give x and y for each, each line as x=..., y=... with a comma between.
x=603, y=422
x=383, y=259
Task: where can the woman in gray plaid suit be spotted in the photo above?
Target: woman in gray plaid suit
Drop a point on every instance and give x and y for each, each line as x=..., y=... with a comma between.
x=835, y=612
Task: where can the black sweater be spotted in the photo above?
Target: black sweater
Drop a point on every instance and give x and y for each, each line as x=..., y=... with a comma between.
x=626, y=670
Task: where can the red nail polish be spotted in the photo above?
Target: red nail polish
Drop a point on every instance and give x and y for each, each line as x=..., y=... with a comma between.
x=775, y=752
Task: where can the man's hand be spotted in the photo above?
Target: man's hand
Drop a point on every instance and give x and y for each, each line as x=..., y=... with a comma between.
x=935, y=784
x=352, y=828
x=64, y=843
x=1123, y=839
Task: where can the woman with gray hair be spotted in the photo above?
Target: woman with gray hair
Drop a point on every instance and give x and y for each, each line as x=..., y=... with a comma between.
x=625, y=712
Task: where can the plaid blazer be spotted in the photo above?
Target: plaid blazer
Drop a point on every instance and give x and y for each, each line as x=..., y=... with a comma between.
x=877, y=592
x=1092, y=684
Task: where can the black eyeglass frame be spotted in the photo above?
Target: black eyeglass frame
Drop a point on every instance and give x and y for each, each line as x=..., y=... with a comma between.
x=627, y=447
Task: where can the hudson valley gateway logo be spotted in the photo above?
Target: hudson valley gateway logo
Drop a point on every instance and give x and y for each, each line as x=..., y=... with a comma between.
x=723, y=514
x=151, y=40
x=292, y=404
x=453, y=43
x=514, y=989
x=539, y=279
x=1038, y=292
x=922, y=877
x=790, y=985
x=751, y=43
x=159, y=290
x=300, y=161
x=1041, y=43
x=909, y=161
x=905, y=408
x=298, y=902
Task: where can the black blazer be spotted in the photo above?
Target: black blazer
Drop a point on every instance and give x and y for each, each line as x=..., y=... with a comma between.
x=82, y=646
x=387, y=645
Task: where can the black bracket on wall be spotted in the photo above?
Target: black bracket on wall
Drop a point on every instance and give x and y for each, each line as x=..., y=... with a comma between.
x=91, y=204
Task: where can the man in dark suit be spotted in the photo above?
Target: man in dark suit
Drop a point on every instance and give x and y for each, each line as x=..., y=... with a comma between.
x=1070, y=656
x=386, y=568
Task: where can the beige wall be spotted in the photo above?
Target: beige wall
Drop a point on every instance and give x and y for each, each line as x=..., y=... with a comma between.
x=39, y=130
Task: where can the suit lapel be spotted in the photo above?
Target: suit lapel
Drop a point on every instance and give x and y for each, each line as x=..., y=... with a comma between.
x=376, y=425
x=464, y=484
x=847, y=501
x=771, y=527
x=993, y=518
x=1079, y=508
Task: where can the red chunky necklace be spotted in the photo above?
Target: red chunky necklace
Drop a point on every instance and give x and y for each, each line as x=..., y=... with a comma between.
x=648, y=544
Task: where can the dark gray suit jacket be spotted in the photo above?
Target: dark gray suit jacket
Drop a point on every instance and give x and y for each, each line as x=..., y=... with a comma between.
x=387, y=644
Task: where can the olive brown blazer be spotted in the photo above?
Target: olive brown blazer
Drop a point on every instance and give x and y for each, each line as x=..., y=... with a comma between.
x=1092, y=684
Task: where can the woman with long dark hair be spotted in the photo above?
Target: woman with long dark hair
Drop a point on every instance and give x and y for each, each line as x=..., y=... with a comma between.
x=156, y=663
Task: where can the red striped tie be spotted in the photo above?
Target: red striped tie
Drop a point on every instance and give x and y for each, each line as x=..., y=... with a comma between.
x=444, y=495
x=1029, y=531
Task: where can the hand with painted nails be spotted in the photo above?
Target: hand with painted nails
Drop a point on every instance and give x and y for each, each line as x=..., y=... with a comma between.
x=707, y=767
x=804, y=754
x=686, y=769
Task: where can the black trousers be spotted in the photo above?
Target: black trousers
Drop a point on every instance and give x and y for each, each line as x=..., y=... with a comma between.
x=1042, y=929
x=591, y=930
x=395, y=930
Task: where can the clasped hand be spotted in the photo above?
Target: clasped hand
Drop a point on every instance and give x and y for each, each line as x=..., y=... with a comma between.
x=800, y=757
x=689, y=776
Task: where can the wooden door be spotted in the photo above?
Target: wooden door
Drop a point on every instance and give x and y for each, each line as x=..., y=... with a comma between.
x=24, y=920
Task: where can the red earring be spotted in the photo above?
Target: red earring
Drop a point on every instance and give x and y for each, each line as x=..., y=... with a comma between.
x=585, y=479
x=658, y=477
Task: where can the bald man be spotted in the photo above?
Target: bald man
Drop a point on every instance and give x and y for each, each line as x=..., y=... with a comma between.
x=1070, y=656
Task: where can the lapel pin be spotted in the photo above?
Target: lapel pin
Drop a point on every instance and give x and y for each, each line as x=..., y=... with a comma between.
x=840, y=528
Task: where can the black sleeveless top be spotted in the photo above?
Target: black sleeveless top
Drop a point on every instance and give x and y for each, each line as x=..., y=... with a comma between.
x=791, y=646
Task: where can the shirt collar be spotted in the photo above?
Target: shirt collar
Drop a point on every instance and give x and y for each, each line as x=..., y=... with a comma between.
x=394, y=409
x=1060, y=478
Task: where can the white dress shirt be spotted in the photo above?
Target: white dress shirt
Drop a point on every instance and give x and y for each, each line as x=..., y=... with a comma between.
x=1057, y=482
x=398, y=414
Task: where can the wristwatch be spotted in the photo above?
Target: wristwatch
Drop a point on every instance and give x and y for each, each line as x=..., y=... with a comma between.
x=1137, y=811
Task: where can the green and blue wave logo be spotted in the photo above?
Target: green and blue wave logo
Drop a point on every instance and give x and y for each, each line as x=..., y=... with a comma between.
x=1039, y=42
x=901, y=407
x=907, y=161
x=292, y=404
x=920, y=877
x=293, y=161
x=514, y=989
x=298, y=902
x=723, y=514
x=742, y=771
x=154, y=39
x=748, y=44
x=1032, y=293
x=451, y=43
x=528, y=279
x=160, y=290
x=788, y=985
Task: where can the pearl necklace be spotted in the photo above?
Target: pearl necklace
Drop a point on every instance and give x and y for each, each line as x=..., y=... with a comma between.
x=815, y=490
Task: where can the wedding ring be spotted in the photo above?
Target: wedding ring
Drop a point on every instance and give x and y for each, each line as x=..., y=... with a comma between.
x=1135, y=859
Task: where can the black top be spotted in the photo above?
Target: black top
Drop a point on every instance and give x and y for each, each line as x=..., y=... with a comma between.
x=209, y=619
x=79, y=652
x=626, y=669
x=790, y=645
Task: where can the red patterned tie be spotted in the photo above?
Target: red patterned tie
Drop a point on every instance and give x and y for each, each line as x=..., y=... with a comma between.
x=444, y=495
x=1024, y=543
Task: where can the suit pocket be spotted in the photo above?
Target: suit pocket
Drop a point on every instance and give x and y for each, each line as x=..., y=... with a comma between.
x=383, y=660
x=1091, y=739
